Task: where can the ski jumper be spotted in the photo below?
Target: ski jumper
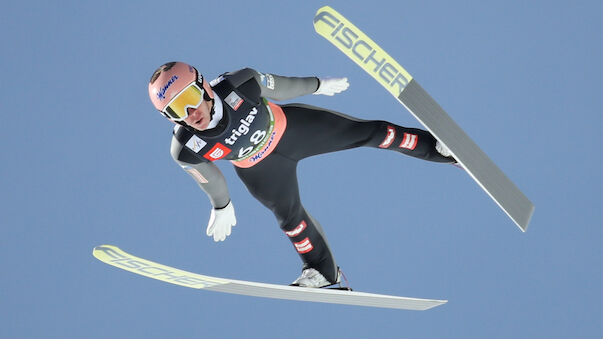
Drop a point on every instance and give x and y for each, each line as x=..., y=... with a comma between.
x=266, y=141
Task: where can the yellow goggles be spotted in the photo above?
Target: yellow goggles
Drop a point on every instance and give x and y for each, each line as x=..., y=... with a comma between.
x=190, y=97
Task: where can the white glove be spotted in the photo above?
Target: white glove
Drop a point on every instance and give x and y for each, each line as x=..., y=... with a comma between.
x=442, y=149
x=331, y=86
x=220, y=222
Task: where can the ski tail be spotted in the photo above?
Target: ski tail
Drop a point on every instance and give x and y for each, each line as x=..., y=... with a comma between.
x=114, y=256
x=367, y=54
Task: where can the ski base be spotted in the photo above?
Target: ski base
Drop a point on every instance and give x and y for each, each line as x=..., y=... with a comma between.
x=114, y=256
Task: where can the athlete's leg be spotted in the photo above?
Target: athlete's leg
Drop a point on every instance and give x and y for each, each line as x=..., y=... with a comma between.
x=273, y=182
x=313, y=130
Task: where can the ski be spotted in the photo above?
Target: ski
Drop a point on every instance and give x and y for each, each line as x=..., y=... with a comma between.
x=383, y=68
x=114, y=256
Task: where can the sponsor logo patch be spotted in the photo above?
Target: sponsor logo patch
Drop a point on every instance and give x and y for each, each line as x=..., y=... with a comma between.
x=234, y=101
x=296, y=231
x=219, y=151
x=195, y=143
x=389, y=139
x=303, y=246
x=259, y=155
x=267, y=80
x=409, y=141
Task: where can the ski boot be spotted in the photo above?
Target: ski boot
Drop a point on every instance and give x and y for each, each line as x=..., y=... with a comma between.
x=314, y=279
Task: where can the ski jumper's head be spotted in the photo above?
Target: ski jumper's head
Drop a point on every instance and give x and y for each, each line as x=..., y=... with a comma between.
x=180, y=93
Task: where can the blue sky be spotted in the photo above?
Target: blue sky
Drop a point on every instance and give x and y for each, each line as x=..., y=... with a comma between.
x=85, y=162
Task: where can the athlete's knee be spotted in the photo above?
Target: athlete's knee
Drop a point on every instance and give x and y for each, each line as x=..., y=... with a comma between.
x=289, y=217
x=391, y=136
x=370, y=133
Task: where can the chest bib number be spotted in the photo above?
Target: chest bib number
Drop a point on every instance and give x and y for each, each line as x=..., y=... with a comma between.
x=256, y=138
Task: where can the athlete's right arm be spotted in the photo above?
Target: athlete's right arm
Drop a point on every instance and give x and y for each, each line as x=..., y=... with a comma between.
x=211, y=180
x=206, y=174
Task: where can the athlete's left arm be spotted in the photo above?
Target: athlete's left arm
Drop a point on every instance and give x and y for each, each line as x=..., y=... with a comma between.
x=278, y=87
x=272, y=86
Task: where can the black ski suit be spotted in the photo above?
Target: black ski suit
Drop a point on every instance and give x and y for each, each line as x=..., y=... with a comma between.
x=265, y=142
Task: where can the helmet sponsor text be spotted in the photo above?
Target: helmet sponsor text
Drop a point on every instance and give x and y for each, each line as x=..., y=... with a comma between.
x=162, y=90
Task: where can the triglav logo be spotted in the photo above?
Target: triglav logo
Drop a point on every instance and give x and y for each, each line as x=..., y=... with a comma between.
x=363, y=51
x=243, y=128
